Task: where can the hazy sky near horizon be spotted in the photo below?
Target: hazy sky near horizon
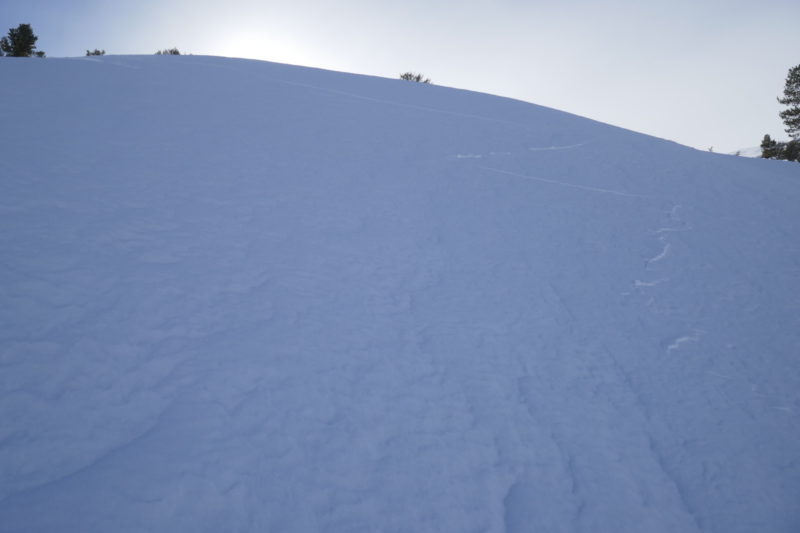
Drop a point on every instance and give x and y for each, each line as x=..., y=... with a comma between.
x=702, y=73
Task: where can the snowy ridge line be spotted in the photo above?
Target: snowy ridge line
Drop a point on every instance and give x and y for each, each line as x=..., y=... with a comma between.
x=572, y=185
x=103, y=60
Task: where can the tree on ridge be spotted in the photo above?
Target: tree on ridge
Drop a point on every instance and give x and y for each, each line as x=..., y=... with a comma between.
x=20, y=42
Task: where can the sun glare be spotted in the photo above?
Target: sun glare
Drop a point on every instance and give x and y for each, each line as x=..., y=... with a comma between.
x=255, y=45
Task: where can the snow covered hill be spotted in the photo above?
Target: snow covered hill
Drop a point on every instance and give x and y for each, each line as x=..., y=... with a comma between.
x=244, y=297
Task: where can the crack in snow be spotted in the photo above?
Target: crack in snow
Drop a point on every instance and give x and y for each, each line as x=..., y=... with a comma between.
x=550, y=148
x=639, y=283
x=680, y=341
x=571, y=185
x=661, y=255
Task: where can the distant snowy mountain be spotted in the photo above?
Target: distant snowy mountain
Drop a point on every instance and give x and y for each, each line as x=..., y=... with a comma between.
x=242, y=297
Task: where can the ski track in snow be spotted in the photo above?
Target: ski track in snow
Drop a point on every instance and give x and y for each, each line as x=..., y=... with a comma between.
x=568, y=185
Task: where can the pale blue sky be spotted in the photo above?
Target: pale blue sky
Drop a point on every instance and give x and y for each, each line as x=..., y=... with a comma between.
x=702, y=73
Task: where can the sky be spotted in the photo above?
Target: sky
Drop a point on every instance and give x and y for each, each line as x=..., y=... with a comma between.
x=701, y=73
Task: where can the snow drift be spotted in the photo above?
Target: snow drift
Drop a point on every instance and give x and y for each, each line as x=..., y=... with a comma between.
x=242, y=296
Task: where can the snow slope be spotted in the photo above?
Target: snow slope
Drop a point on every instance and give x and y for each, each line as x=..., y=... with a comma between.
x=241, y=296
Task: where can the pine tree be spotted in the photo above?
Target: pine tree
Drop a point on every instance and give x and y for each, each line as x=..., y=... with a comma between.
x=791, y=98
x=20, y=42
x=769, y=147
x=791, y=152
x=411, y=76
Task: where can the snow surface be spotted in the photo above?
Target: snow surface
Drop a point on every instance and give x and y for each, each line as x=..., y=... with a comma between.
x=241, y=296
